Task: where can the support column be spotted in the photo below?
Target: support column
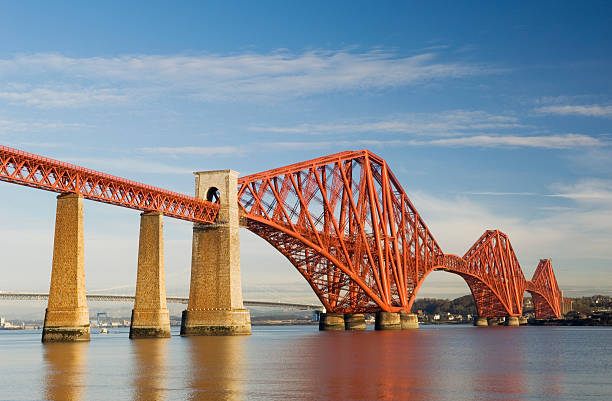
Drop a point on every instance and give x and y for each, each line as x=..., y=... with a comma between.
x=331, y=321
x=512, y=321
x=387, y=321
x=481, y=321
x=409, y=320
x=150, y=317
x=215, y=296
x=354, y=321
x=522, y=320
x=67, y=316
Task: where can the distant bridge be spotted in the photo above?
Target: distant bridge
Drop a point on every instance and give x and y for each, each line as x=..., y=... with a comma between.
x=31, y=296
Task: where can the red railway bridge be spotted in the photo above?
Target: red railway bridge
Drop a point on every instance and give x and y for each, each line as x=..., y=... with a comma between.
x=344, y=222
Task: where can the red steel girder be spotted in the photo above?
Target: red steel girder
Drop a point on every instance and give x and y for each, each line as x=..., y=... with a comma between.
x=346, y=224
x=343, y=221
x=40, y=172
x=547, y=298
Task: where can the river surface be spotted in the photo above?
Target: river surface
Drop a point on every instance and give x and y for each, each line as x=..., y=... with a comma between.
x=301, y=363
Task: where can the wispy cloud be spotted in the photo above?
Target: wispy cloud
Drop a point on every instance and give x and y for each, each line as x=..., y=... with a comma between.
x=219, y=77
x=564, y=141
x=568, y=141
x=488, y=193
x=11, y=126
x=63, y=97
x=445, y=123
x=590, y=191
x=129, y=164
x=593, y=110
x=196, y=150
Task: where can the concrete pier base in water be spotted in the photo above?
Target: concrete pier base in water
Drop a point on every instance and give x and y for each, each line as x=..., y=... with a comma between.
x=522, y=320
x=236, y=322
x=150, y=317
x=354, y=321
x=409, y=321
x=493, y=321
x=512, y=321
x=331, y=321
x=388, y=321
x=481, y=322
x=67, y=316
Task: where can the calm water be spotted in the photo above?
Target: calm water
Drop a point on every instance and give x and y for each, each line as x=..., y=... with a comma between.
x=301, y=363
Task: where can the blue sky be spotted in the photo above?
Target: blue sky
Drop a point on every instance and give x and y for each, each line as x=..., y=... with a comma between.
x=491, y=114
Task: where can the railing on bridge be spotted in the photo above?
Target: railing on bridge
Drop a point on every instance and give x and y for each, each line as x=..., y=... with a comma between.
x=36, y=171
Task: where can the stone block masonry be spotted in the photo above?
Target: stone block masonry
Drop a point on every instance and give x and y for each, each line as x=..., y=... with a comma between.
x=215, y=295
x=67, y=316
x=150, y=317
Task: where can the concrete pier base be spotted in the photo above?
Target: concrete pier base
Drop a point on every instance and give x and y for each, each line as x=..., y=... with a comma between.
x=354, y=321
x=409, y=321
x=235, y=322
x=512, y=321
x=388, y=321
x=493, y=321
x=150, y=317
x=215, y=294
x=481, y=322
x=331, y=321
x=67, y=316
x=522, y=320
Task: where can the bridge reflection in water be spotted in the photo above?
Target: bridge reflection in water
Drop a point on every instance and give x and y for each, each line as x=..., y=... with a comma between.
x=300, y=363
x=151, y=369
x=216, y=368
x=66, y=371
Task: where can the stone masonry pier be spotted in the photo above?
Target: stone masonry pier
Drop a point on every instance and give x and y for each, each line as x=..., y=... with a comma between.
x=215, y=296
x=67, y=316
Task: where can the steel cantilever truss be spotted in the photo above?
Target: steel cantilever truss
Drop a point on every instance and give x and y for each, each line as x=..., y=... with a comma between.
x=547, y=297
x=52, y=175
x=347, y=225
x=343, y=221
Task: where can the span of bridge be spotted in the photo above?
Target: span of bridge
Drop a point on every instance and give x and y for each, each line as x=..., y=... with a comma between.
x=343, y=221
x=33, y=296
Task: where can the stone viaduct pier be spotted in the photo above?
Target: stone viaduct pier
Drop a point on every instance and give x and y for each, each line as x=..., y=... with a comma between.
x=343, y=221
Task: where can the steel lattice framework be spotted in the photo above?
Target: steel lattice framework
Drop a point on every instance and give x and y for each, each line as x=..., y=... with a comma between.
x=347, y=225
x=36, y=171
x=343, y=221
x=547, y=298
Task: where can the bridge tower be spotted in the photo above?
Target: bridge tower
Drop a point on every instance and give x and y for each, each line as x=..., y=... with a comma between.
x=215, y=295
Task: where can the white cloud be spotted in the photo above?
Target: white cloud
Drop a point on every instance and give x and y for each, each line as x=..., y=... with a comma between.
x=444, y=123
x=62, y=97
x=11, y=126
x=593, y=110
x=196, y=150
x=220, y=77
x=563, y=141
x=588, y=191
x=129, y=164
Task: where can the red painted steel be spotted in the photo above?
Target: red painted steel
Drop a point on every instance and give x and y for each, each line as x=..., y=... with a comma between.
x=547, y=298
x=343, y=221
x=347, y=225
x=36, y=171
